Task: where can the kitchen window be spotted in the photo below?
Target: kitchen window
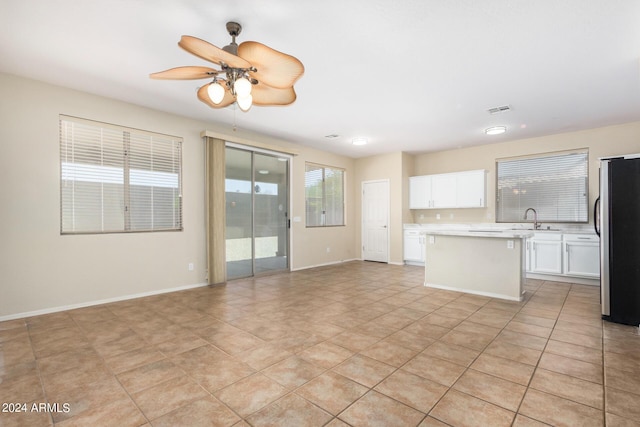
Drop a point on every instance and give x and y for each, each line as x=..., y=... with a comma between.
x=324, y=195
x=556, y=185
x=117, y=179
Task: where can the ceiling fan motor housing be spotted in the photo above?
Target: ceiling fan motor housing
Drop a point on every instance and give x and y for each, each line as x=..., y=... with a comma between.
x=234, y=29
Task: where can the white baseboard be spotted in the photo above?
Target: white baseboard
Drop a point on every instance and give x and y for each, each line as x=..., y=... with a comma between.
x=416, y=263
x=471, y=291
x=97, y=302
x=564, y=279
x=306, y=267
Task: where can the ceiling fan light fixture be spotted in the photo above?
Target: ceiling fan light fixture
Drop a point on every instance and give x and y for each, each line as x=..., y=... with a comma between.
x=495, y=130
x=216, y=92
x=244, y=102
x=242, y=87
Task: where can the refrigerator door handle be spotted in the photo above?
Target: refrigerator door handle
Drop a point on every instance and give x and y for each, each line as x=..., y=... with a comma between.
x=596, y=216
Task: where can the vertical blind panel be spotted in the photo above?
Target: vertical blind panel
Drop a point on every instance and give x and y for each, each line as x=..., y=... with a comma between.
x=556, y=186
x=118, y=179
x=324, y=196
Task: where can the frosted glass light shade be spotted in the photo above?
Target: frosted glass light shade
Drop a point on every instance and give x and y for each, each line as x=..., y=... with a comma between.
x=242, y=87
x=216, y=93
x=244, y=102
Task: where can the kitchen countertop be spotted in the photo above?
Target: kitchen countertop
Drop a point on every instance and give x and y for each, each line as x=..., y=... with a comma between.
x=499, y=234
x=495, y=227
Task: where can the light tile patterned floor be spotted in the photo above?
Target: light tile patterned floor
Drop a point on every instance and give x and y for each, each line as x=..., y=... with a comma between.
x=356, y=344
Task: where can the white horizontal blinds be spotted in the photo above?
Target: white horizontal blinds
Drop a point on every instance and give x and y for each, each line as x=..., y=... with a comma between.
x=314, y=191
x=116, y=179
x=334, y=196
x=92, y=178
x=154, y=182
x=555, y=185
x=324, y=195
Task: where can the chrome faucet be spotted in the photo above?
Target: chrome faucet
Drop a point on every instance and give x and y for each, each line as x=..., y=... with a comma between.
x=535, y=218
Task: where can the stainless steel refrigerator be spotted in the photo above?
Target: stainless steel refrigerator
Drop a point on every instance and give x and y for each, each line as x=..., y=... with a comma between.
x=618, y=225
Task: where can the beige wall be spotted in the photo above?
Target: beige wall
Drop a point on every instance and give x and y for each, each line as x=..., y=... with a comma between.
x=601, y=142
x=322, y=245
x=383, y=167
x=41, y=270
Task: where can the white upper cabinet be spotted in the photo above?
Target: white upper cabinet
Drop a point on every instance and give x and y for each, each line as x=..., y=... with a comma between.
x=448, y=190
x=443, y=189
x=420, y=192
x=471, y=189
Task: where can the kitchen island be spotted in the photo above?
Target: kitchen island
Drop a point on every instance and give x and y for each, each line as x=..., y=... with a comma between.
x=482, y=262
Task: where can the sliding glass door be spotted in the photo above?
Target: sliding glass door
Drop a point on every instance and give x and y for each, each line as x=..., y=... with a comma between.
x=257, y=200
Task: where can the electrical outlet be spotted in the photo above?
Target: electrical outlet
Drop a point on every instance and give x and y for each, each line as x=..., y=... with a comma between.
x=190, y=266
x=509, y=244
x=437, y=216
x=432, y=239
x=328, y=249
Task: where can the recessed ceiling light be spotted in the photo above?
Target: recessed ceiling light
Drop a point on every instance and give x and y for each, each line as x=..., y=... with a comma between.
x=359, y=140
x=263, y=171
x=496, y=130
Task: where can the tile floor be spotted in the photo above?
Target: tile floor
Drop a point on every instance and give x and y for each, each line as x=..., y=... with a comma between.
x=358, y=344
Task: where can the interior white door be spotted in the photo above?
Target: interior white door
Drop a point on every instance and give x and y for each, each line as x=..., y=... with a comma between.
x=375, y=221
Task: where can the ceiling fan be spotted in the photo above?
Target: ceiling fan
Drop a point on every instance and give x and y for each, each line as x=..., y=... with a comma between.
x=251, y=73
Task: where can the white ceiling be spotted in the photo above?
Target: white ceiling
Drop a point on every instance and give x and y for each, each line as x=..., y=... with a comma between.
x=410, y=75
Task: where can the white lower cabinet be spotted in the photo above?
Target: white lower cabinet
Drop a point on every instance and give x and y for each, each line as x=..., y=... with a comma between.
x=581, y=256
x=573, y=255
x=546, y=254
x=414, y=247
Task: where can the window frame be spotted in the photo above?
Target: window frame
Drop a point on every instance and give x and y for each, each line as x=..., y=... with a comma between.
x=541, y=218
x=324, y=169
x=131, y=171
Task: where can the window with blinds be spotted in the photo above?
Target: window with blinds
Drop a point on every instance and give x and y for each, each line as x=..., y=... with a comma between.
x=324, y=195
x=556, y=185
x=116, y=179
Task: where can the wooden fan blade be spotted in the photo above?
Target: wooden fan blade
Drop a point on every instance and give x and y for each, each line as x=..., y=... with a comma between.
x=206, y=50
x=276, y=69
x=185, y=73
x=203, y=96
x=266, y=95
